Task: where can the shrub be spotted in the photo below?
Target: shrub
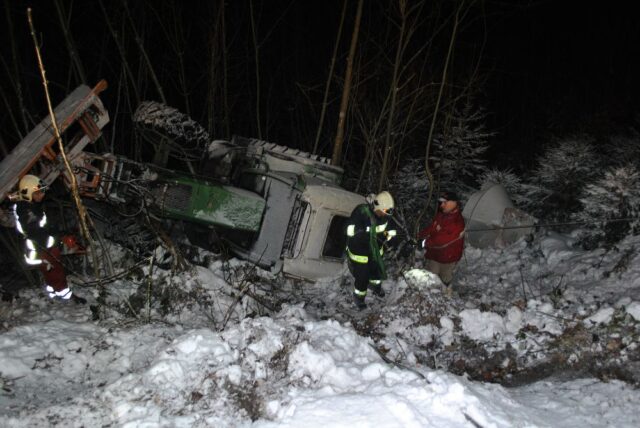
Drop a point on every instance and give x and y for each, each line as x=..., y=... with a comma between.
x=555, y=187
x=614, y=196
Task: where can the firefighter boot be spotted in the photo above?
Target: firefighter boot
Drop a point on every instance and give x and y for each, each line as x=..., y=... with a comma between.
x=358, y=300
x=377, y=290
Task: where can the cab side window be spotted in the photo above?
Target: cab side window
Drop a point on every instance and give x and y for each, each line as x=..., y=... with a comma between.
x=336, y=239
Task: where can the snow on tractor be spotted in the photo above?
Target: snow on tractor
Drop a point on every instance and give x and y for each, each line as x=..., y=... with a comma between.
x=280, y=208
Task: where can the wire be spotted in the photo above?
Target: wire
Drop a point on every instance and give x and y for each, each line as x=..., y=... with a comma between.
x=539, y=225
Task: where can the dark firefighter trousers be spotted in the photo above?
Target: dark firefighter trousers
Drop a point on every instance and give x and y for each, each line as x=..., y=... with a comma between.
x=364, y=274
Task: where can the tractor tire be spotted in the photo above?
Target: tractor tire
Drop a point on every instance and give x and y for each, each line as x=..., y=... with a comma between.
x=158, y=123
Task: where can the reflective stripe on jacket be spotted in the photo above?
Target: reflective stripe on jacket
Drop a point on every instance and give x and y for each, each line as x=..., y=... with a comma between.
x=366, y=234
x=31, y=222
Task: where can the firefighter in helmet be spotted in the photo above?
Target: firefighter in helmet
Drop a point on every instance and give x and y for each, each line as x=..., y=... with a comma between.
x=367, y=231
x=41, y=248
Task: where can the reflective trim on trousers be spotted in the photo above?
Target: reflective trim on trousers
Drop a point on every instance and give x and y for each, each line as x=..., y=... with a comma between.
x=32, y=258
x=51, y=241
x=30, y=245
x=356, y=258
x=63, y=294
x=360, y=293
x=375, y=281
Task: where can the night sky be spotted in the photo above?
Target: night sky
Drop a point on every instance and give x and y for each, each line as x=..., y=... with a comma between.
x=549, y=68
x=563, y=67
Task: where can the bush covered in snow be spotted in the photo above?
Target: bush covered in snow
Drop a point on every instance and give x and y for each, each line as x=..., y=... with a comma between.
x=620, y=150
x=410, y=189
x=615, y=196
x=556, y=185
x=458, y=152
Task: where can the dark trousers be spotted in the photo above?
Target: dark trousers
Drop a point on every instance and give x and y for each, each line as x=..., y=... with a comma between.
x=360, y=272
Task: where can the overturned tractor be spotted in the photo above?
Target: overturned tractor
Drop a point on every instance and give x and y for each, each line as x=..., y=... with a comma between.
x=280, y=208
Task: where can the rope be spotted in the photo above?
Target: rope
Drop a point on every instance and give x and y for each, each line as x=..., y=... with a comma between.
x=569, y=223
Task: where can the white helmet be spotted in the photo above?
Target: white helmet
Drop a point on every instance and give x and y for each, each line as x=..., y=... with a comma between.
x=28, y=185
x=384, y=202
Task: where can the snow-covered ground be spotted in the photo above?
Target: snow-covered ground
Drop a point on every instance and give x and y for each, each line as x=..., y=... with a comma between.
x=213, y=359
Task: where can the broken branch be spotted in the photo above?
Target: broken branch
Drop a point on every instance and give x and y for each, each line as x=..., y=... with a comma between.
x=82, y=212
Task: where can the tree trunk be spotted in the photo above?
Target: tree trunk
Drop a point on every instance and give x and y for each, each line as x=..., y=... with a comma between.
x=17, y=74
x=218, y=74
x=337, y=147
x=225, y=84
x=329, y=78
x=122, y=52
x=435, y=114
x=143, y=52
x=83, y=215
x=11, y=115
x=71, y=46
x=394, y=94
x=161, y=156
x=257, y=62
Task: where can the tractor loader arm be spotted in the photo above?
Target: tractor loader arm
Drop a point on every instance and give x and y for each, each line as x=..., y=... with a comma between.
x=82, y=113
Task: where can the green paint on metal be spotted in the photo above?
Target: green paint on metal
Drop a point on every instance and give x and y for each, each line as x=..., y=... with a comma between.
x=211, y=204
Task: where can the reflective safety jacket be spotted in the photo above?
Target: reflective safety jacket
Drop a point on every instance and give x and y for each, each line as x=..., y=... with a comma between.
x=31, y=222
x=443, y=239
x=366, y=234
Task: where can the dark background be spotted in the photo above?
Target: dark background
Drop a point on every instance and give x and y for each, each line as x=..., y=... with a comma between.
x=549, y=68
x=563, y=67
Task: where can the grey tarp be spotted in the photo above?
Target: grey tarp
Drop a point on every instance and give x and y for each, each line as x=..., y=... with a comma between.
x=492, y=220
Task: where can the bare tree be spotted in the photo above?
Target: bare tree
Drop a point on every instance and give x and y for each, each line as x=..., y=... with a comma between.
x=325, y=97
x=9, y=110
x=218, y=70
x=403, y=37
x=121, y=50
x=83, y=216
x=454, y=32
x=174, y=35
x=385, y=119
x=71, y=45
x=161, y=155
x=337, y=146
x=16, y=80
x=140, y=42
x=256, y=55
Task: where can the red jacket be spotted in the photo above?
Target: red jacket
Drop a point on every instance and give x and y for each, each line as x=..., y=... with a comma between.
x=444, y=239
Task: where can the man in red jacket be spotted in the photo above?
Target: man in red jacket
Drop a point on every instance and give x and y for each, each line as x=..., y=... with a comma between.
x=443, y=239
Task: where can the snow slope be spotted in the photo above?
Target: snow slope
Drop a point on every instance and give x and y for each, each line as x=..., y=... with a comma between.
x=308, y=365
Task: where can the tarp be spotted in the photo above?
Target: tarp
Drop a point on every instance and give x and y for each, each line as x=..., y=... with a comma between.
x=492, y=219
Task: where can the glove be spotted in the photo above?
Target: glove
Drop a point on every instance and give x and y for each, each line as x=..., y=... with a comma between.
x=390, y=234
